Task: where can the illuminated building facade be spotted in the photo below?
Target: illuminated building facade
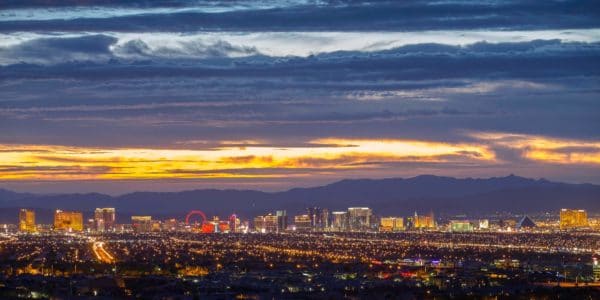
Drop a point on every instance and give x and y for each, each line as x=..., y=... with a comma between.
x=271, y=223
x=572, y=218
x=68, y=220
x=484, y=224
x=359, y=218
x=424, y=222
x=259, y=224
x=282, y=220
x=141, y=223
x=27, y=220
x=339, y=220
x=303, y=222
x=235, y=224
x=390, y=224
x=319, y=217
x=461, y=226
x=104, y=219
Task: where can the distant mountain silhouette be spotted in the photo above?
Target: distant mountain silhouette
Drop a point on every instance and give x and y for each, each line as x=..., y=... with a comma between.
x=386, y=196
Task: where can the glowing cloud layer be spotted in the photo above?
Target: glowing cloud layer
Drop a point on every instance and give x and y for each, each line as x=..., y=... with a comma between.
x=251, y=159
x=26, y=162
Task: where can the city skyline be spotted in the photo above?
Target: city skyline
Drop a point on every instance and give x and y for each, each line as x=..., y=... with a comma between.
x=353, y=219
x=299, y=149
x=179, y=95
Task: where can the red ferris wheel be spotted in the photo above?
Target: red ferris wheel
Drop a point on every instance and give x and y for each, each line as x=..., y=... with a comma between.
x=207, y=226
x=195, y=213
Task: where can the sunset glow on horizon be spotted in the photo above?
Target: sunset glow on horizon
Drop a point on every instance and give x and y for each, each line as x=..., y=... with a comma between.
x=248, y=159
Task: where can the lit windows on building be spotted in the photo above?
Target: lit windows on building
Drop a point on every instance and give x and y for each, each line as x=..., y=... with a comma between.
x=319, y=217
x=142, y=223
x=461, y=226
x=424, y=222
x=68, y=221
x=390, y=224
x=359, y=218
x=573, y=218
x=270, y=222
x=303, y=222
x=282, y=220
x=339, y=220
x=27, y=220
x=104, y=219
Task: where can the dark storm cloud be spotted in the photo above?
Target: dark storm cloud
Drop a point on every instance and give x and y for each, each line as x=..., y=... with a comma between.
x=341, y=15
x=54, y=50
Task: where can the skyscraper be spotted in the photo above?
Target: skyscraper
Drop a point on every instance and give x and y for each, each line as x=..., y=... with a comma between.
x=571, y=218
x=359, y=218
x=259, y=224
x=27, y=220
x=68, y=220
x=339, y=220
x=282, y=220
x=104, y=219
x=319, y=217
x=271, y=223
x=303, y=223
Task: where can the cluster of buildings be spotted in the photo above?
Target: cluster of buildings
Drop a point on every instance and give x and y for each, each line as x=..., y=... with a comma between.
x=70, y=221
x=359, y=219
x=354, y=219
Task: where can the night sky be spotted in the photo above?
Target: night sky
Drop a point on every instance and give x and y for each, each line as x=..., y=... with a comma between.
x=268, y=95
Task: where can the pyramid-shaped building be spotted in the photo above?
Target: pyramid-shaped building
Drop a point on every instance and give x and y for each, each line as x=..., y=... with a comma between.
x=526, y=222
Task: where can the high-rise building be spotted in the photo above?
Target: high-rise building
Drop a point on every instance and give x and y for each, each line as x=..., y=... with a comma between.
x=272, y=223
x=259, y=224
x=68, y=220
x=234, y=223
x=359, y=218
x=573, y=218
x=104, y=219
x=27, y=220
x=319, y=217
x=339, y=220
x=303, y=222
x=389, y=224
x=324, y=218
x=424, y=222
x=268, y=223
x=142, y=223
x=282, y=220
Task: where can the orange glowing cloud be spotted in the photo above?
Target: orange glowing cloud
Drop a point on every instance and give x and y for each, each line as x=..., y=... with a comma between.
x=49, y=162
x=546, y=149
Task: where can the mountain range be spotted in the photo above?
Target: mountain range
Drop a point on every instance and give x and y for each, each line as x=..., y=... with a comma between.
x=392, y=196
